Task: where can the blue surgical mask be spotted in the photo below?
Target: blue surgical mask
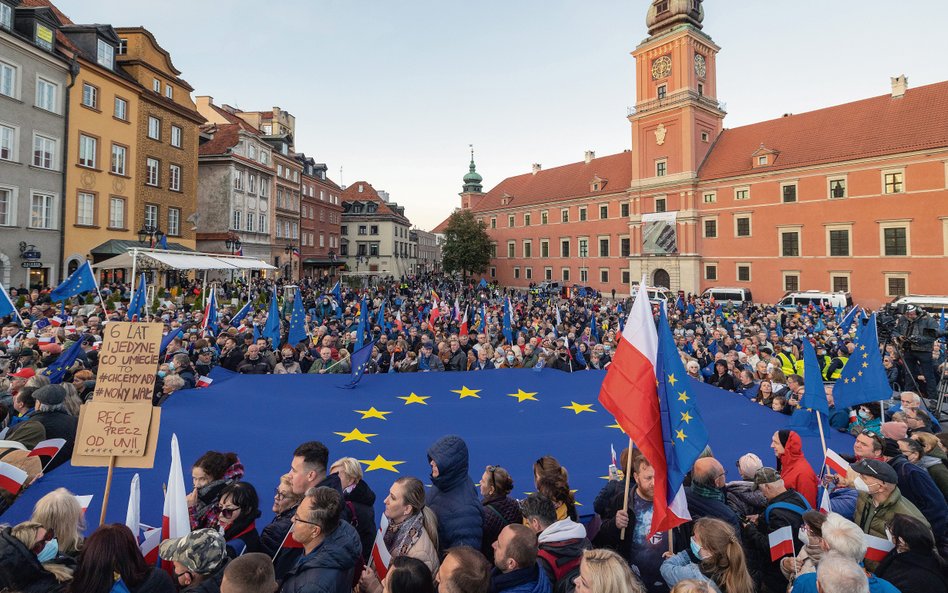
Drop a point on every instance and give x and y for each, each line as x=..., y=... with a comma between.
x=510, y=358
x=170, y=366
x=864, y=414
x=50, y=550
x=695, y=548
x=162, y=374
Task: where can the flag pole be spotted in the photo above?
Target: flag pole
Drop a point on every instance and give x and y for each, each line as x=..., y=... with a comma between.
x=97, y=291
x=819, y=424
x=628, y=477
x=108, y=488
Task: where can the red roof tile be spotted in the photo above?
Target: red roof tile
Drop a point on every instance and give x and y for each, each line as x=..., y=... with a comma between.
x=225, y=136
x=867, y=128
x=368, y=194
x=60, y=36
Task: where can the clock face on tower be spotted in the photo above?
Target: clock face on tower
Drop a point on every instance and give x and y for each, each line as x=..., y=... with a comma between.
x=661, y=67
x=701, y=66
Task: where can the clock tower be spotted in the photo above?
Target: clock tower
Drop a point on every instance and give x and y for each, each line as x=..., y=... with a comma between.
x=676, y=119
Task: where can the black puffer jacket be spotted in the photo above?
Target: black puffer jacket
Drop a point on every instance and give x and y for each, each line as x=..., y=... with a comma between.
x=271, y=538
x=453, y=497
x=362, y=500
x=20, y=570
x=329, y=568
x=498, y=512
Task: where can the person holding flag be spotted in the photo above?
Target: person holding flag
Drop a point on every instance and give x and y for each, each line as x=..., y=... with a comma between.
x=137, y=305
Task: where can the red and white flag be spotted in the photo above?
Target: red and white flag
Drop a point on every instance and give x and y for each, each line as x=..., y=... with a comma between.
x=203, y=381
x=825, y=506
x=781, y=543
x=133, y=513
x=175, y=521
x=381, y=557
x=289, y=543
x=149, y=544
x=457, y=310
x=877, y=548
x=613, y=451
x=11, y=478
x=48, y=448
x=464, y=328
x=836, y=463
x=56, y=321
x=12, y=445
x=84, y=501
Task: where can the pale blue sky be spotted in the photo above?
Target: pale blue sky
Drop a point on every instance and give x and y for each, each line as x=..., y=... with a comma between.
x=394, y=92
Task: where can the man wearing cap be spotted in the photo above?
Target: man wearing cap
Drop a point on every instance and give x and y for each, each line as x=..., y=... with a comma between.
x=427, y=361
x=785, y=507
x=18, y=379
x=879, y=499
x=919, y=331
x=917, y=486
x=205, y=361
x=199, y=560
x=59, y=424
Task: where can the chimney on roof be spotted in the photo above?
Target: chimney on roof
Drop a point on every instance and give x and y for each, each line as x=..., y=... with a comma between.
x=590, y=155
x=360, y=188
x=899, y=86
x=536, y=168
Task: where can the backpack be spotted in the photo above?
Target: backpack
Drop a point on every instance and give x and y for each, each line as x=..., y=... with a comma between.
x=787, y=507
x=565, y=570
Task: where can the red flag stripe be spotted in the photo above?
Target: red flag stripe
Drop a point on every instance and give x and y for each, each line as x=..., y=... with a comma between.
x=48, y=451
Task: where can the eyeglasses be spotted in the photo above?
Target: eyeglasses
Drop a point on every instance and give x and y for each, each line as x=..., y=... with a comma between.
x=228, y=512
x=280, y=495
x=38, y=546
x=297, y=519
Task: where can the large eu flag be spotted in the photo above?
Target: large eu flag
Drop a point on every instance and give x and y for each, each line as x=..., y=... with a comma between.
x=863, y=378
x=272, y=328
x=137, y=304
x=297, y=320
x=79, y=282
x=804, y=419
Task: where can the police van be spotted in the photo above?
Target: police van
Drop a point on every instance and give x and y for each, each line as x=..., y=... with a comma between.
x=934, y=304
x=792, y=300
x=724, y=295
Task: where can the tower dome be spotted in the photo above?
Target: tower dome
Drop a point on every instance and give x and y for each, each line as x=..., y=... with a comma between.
x=664, y=14
x=472, y=180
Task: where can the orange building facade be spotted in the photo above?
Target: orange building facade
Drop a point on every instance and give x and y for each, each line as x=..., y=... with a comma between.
x=849, y=198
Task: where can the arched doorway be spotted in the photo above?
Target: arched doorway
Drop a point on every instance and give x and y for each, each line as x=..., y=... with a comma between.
x=660, y=278
x=72, y=267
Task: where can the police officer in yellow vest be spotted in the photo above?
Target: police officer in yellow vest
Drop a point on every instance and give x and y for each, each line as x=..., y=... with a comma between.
x=788, y=363
x=823, y=359
x=835, y=368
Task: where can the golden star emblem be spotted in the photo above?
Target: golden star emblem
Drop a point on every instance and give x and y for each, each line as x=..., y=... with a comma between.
x=862, y=347
x=680, y=434
x=865, y=355
x=355, y=435
x=683, y=396
x=865, y=365
x=523, y=396
x=465, y=392
x=372, y=413
x=380, y=463
x=859, y=373
x=578, y=408
x=672, y=380
x=616, y=425
x=414, y=399
x=686, y=417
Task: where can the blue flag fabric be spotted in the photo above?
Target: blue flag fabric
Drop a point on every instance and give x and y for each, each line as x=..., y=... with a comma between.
x=820, y=326
x=848, y=319
x=680, y=303
x=359, y=362
x=863, y=378
x=119, y=587
x=58, y=369
x=683, y=431
x=256, y=332
x=336, y=293
x=814, y=395
x=272, y=328
x=507, y=328
x=482, y=283
x=297, y=320
x=363, y=321
x=941, y=323
x=163, y=242
x=380, y=320
x=166, y=341
x=239, y=316
x=210, y=313
x=779, y=328
x=7, y=308
x=593, y=326
x=79, y=282
x=137, y=305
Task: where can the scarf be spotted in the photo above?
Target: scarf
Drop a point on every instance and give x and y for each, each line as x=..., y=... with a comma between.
x=708, y=492
x=400, y=538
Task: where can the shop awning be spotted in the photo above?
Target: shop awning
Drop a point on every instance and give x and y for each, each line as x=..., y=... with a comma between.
x=158, y=259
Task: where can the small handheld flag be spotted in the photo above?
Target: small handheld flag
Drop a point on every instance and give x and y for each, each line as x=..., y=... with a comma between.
x=11, y=478
x=877, y=548
x=836, y=463
x=781, y=543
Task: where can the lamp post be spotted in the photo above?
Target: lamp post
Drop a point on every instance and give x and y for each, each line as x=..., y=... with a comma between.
x=332, y=263
x=150, y=234
x=288, y=250
x=232, y=243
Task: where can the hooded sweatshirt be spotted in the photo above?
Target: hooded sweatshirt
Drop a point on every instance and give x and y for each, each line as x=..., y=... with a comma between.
x=795, y=469
x=453, y=497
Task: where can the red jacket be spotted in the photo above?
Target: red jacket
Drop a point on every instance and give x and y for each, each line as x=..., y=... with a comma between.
x=796, y=470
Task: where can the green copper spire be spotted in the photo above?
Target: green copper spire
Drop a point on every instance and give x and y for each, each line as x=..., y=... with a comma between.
x=472, y=181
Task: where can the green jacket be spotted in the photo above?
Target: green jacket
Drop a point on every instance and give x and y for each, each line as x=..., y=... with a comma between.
x=873, y=519
x=320, y=364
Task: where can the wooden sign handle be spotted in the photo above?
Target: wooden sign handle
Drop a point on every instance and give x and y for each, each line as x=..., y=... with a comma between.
x=108, y=488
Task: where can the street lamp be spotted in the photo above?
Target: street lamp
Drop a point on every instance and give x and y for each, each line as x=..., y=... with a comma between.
x=150, y=234
x=288, y=249
x=232, y=243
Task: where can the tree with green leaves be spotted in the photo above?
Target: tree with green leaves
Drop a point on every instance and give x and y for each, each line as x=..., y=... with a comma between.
x=467, y=246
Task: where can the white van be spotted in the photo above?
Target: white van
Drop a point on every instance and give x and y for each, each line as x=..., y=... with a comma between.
x=727, y=294
x=832, y=299
x=658, y=293
x=934, y=304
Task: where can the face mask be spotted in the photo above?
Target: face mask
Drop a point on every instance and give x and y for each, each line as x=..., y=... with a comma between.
x=804, y=537
x=607, y=348
x=162, y=374
x=861, y=485
x=695, y=549
x=170, y=366
x=864, y=414
x=510, y=358
x=50, y=550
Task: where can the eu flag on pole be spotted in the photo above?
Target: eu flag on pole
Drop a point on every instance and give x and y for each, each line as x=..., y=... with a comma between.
x=7, y=308
x=380, y=320
x=137, y=304
x=166, y=341
x=863, y=378
x=803, y=420
x=271, y=329
x=847, y=321
x=360, y=362
x=210, y=313
x=79, y=282
x=593, y=327
x=163, y=242
x=336, y=293
x=680, y=303
x=57, y=371
x=239, y=316
x=297, y=320
x=482, y=283
x=363, y=321
x=507, y=330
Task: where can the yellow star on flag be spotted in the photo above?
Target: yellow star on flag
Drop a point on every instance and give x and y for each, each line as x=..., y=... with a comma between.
x=672, y=380
x=680, y=435
x=863, y=347
x=859, y=373
x=522, y=395
x=578, y=408
x=865, y=364
x=686, y=417
x=356, y=435
x=616, y=425
x=380, y=463
x=465, y=392
x=683, y=396
x=865, y=355
x=372, y=413
x=414, y=399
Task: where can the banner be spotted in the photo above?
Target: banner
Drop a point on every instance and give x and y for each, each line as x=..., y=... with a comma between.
x=660, y=233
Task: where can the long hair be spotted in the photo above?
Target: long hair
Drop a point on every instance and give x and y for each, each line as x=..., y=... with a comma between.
x=60, y=511
x=409, y=575
x=110, y=549
x=415, y=497
x=917, y=537
x=726, y=566
x=26, y=533
x=610, y=573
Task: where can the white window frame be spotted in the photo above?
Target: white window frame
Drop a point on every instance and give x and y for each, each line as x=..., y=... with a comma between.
x=263, y=226
x=151, y=215
x=92, y=95
x=717, y=271
x=664, y=172
x=663, y=200
x=784, y=274
x=717, y=227
x=169, y=91
x=896, y=224
x=12, y=193
x=527, y=248
x=897, y=171
x=156, y=85
x=82, y=197
x=584, y=275
x=123, y=116
x=796, y=192
x=176, y=134
x=564, y=215
x=13, y=144
x=738, y=190
x=104, y=54
x=53, y=105
x=53, y=151
x=511, y=249
x=118, y=149
x=750, y=225
x=606, y=272
x=781, y=230
x=174, y=177
x=113, y=201
x=51, y=207
x=750, y=271
x=154, y=128
x=709, y=197
x=829, y=186
x=516, y=272
x=564, y=274
x=87, y=145
x=599, y=241
x=841, y=274
x=548, y=273
x=174, y=222
x=10, y=78
x=886, y=276
x=839, y=227
x=6, y=16
x=238, y=180
x=152, y=165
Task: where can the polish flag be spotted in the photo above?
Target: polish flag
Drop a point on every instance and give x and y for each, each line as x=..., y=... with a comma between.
x=204, y=381
x=84, y=502
x=877, y=548
x=781, y=543
x=613, y=451
x=289, y=543
x=381, y=557
x=836, y=463
x=11, y=478
x=149, y=544
x=175, y=521
x=133, y=513
x=825, y=506
x=48, y=448
x=457, y=310
x=435, y=314
x=46, y=340
x=12, y=445
x=56, y=321
x=464, y=329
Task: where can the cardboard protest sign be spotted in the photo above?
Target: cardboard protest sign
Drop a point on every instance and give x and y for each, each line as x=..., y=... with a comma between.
x=145, y=461
x=109, y=428
x=128, y=360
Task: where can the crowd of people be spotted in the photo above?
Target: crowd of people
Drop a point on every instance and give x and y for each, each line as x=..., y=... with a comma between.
x=458, y=537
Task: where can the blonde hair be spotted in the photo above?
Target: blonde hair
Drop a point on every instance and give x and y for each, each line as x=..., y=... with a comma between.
x=26, y=533
x=60, y=511
x=929, y=441
x=349, y=466
x=609, y=573
x=693, y=586
x=415, y=498
x=285, y=480
x=726, y=565
x=72, y=401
